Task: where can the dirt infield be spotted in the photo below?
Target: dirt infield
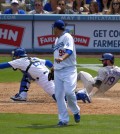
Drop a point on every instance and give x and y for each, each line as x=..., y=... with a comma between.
x=39, y=102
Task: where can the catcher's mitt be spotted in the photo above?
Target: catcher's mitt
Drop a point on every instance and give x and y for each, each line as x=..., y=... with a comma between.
x=51, y=76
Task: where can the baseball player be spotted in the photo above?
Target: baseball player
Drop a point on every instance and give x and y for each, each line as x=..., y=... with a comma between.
x=65, y=73
x=33, y=69
x=107, y=77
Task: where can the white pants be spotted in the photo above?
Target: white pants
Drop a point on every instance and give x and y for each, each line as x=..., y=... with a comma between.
x=47, y=86
x=65, y=84
x=87, y=80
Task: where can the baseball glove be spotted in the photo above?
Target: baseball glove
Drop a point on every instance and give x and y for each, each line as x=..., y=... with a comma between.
x=51, y=76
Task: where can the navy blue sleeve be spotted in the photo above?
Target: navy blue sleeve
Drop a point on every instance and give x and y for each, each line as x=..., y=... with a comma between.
x=48, y=63
x=69, y=51
x=5, y=65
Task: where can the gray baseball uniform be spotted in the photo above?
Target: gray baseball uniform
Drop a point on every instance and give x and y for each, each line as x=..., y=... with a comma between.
x=109, y=75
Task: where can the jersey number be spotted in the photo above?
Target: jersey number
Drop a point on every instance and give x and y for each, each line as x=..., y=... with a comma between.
x=110, y=80
x=36, y=64
x=61, y=52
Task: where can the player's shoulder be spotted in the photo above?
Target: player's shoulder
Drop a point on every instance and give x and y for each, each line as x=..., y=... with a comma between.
x=34, y=58
x=37, y=59
x=67, y=34
x=117, y=68
x=102, y=69
x=108, y=68
x=19, y=61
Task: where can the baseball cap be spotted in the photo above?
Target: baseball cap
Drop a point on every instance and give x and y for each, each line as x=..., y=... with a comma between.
x=14, y=1
x=60, y=24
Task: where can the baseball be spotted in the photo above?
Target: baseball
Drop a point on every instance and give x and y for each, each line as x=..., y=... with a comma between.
x=81, y=9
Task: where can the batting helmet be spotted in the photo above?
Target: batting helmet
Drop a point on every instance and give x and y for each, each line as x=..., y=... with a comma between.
x=19, y=52
x=108, y=56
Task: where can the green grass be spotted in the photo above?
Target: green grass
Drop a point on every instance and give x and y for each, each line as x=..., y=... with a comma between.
x=88, y=60
x=46, y=124
x=8, y=75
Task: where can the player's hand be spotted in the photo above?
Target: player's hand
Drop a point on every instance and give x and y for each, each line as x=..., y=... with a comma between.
x=58, y=60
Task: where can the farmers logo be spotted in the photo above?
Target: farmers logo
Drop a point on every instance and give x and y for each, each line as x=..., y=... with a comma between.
x=46, y=40
x=50, y=39
x=11, y=35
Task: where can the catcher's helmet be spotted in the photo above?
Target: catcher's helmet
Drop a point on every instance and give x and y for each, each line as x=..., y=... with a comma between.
x=108, y=56
x=19, y=52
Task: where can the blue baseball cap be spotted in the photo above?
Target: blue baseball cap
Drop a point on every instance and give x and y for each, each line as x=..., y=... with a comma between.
x=60, y=24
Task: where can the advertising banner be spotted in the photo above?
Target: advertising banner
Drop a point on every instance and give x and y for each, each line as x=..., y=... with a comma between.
x=15, y=34
x=87, y=35
x=35, y=32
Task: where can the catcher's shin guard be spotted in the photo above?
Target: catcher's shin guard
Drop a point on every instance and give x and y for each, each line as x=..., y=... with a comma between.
x=25, y=84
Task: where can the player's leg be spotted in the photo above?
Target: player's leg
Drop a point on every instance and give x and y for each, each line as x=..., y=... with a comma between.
x=47, y=86
x=87, y=80
x=60, y=97
x=24, y=86
x=70, y=85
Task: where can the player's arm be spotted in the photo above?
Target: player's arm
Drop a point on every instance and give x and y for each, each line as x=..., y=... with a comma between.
x=97, y=83
x=68, y=52
x=5, y=65
x=99, y=78
x=48, y=63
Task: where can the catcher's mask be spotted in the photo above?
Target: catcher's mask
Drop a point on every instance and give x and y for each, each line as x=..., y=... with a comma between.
x=108, y=56
x=18, y=52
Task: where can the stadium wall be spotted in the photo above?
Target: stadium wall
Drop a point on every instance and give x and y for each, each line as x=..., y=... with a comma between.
x=92, y=33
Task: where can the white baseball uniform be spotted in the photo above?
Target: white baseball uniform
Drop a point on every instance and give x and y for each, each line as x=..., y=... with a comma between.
x=109, y=75
x=65, y=76
x=38, y=71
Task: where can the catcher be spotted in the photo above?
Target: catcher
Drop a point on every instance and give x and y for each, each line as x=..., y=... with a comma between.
x=34, y=69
